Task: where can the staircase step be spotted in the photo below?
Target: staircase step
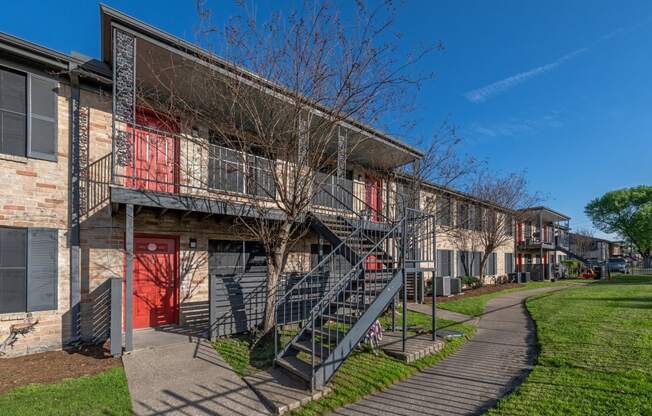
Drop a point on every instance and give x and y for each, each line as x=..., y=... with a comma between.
x=306, y=346
x=296, y=366
x=339, y=317
x=329, y=335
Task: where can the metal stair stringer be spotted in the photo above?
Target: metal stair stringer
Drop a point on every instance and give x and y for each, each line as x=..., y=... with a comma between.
x=357, y=332
x=317, y=225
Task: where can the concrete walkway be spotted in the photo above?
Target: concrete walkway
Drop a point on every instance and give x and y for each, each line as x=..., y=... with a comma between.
x=177, y=374
x=443, y=313
x=471, y=380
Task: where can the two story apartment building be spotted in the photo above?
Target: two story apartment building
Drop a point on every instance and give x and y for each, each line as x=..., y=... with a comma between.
x=589, y=247
x=542, y=241
x=118, y=218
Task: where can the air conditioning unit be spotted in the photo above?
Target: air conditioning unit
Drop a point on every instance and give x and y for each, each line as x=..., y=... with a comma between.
x=443, y=286
x=456, y=285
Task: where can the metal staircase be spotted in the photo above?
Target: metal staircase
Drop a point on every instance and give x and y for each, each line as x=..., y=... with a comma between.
x=334, y=305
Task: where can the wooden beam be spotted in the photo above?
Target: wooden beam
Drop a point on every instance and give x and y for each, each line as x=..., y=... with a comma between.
x=138, y=209
x=185, y=214
x=163, y=212
x=207, y=216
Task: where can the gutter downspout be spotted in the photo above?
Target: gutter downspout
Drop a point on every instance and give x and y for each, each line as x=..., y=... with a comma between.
x=75, y=249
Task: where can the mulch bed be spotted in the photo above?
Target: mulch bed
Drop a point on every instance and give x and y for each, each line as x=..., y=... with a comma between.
x=475, y=292
x=53, y=366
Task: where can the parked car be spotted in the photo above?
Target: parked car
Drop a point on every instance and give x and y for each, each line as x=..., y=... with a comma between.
x=619, y=265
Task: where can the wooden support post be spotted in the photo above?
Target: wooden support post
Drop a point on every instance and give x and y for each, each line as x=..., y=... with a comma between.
x=129, y=277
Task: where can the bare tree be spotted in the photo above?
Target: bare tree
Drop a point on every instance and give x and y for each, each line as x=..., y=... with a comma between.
x=443, y=166
x=274, y=108
x=582, y=242
x=488, y=223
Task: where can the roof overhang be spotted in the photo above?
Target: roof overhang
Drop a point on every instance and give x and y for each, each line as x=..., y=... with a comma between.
x=52, y=60
x=379, y=150
x=546, y=214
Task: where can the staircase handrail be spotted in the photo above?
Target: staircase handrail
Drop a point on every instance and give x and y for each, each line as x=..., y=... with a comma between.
x=347, y=276
x=317, y=267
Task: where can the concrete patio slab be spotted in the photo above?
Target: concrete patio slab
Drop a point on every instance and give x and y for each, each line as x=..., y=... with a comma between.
x=417, y=346
x=280, y=391
x=179, y=374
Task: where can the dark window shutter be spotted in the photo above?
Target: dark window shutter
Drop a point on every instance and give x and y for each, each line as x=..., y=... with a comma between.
x=42, y=270
x=13, y=109
x=42, y=143
x=13, y=243
x=509, y=263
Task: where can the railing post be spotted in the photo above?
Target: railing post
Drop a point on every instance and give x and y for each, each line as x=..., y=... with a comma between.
x=116, y=316
x=434, y=274
x=403, y=254
x=312, y=336
x=212, y=308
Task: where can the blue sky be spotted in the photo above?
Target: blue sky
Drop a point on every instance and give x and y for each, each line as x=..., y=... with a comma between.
x=561, y=89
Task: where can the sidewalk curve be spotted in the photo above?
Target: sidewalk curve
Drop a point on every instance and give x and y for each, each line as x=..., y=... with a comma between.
x=471, y=380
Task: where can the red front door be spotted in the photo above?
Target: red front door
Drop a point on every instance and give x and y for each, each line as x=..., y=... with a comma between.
x=155, y=154
x=373, y=188
x=155, y=294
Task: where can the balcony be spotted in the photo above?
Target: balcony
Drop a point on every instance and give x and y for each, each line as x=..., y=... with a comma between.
x=157, y=168
x=535, y=244
x=153, y=167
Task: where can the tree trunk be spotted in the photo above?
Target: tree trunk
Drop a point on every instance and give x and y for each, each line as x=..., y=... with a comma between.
x=483, y=261
x=275, y=264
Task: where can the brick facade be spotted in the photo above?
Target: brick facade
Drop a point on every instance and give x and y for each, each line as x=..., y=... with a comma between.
x=36, y=194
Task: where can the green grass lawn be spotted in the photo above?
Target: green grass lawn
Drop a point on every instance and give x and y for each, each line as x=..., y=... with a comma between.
x=474, y=305
x=101, y=394
x=361, y=374
x=596, y=352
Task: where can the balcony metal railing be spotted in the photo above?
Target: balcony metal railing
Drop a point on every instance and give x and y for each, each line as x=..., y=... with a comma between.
x=146, y=158
x=151, y=159
x=95, y=180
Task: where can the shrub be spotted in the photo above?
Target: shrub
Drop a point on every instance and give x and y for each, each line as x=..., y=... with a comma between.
x=470, y=281
x=573, y=267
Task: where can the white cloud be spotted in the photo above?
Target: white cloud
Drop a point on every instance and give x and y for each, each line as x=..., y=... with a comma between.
x=484, y=93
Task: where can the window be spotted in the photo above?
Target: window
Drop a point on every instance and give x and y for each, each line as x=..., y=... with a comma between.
x=468, y=263
x=444, y=263
x=509, y=262
x=492, y=220
x=28, y=269
x=490, y=265
x=13, y=113
x=445, y=210
x=509, y=225
x=13, y=270
x=478, y=216
x=234, y=171
x=28, y=108
x=463, y=215
x=463, y=264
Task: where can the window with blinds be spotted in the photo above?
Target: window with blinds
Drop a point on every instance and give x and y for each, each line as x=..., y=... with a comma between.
x=28, y=115
x=28, y=269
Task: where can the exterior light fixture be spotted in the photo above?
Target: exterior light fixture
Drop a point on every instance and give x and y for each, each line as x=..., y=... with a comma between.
x=193, y=243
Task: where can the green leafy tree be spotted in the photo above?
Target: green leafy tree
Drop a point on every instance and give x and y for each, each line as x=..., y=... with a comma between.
x=627, y=212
